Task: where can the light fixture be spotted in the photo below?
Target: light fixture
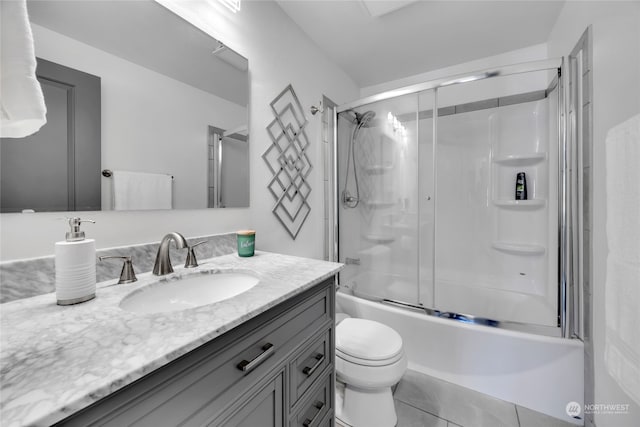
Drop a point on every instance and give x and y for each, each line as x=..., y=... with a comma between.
x=230, y=56
x=232, y=5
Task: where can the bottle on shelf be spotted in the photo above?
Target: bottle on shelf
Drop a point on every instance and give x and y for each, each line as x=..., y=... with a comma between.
x=521, y=186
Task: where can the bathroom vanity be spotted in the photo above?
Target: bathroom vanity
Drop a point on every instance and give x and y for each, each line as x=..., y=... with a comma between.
x=262, y=358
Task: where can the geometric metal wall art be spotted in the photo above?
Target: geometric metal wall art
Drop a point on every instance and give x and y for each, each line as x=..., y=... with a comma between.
x=288, y=162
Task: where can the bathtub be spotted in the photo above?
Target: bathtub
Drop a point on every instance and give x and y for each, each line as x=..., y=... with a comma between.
x=538, y=372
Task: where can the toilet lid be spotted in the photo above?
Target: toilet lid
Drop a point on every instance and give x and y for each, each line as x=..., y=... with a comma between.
x=368, y=340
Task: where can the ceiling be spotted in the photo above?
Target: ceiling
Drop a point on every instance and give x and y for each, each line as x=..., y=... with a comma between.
x=376, y=41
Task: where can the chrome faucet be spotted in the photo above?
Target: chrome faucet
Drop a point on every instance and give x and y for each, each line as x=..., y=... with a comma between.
x=162, y=265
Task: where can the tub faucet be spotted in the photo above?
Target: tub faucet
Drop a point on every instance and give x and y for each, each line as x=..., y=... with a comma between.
x=162, y=265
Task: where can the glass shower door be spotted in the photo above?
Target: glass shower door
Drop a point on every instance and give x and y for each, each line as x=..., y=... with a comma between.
x=426, y=189
x=496, y=243
x=378, y=199
x=433, y=209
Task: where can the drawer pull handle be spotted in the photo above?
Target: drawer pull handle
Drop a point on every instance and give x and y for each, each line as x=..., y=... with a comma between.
x=308, y=371
x=309, y=422
x=249, y=365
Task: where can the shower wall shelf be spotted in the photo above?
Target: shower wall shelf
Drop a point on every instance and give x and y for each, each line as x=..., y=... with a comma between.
x=518, y=248
x=379, y=239
x=378, y=169
x=520, y=159
x=378, y=204
x=399, y=227
x=521, y=204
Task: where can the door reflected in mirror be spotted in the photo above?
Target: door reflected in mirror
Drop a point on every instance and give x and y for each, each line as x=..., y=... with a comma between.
x=168, y=98
x=228, y=168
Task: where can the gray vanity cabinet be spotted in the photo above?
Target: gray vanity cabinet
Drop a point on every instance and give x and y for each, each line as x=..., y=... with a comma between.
x=274, y=370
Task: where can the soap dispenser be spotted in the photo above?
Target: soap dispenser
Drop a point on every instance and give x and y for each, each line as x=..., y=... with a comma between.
x=75, y=266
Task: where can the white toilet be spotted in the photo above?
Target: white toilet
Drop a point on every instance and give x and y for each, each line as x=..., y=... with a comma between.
x=369, y=361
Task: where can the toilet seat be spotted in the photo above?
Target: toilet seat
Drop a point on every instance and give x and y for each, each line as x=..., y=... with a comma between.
x=368, y=343
x=368, y=362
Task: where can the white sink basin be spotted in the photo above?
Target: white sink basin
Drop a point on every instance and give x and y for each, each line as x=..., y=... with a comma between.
x=188, y=292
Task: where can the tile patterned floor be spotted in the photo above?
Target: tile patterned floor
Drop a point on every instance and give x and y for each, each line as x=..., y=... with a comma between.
x=424, y=401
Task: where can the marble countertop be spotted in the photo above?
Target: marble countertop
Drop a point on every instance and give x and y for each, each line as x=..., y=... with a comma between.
x=57, y=360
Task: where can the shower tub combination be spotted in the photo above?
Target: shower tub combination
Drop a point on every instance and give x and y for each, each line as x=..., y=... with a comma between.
x=538, y=372
x=432, y=231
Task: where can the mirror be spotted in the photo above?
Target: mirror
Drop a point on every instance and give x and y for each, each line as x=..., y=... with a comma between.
x=145, y=111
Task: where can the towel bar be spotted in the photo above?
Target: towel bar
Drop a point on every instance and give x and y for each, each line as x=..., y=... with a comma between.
x=108, y=173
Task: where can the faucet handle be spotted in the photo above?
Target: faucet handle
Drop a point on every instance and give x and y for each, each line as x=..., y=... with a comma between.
x=127, y=275
x=191, y=255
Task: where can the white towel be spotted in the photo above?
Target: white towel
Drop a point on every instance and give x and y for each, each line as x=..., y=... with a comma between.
x=22, y=108
x=141, y=191
x=622, y=287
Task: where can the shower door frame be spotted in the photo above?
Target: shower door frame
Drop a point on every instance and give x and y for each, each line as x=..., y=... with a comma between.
x=564, y=261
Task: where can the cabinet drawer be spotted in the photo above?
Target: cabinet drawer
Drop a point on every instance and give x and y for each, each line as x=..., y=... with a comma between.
x=328, y=421
x=309, y=364
x=199, y=385
x=262, y=408
x=314, y=409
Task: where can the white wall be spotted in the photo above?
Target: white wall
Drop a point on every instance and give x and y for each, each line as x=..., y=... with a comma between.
x=616, y=97
x=148, y=120
x=279, y=53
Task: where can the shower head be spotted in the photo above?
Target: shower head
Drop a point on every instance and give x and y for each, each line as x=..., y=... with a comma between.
x=364, y=118
x=360, y=120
